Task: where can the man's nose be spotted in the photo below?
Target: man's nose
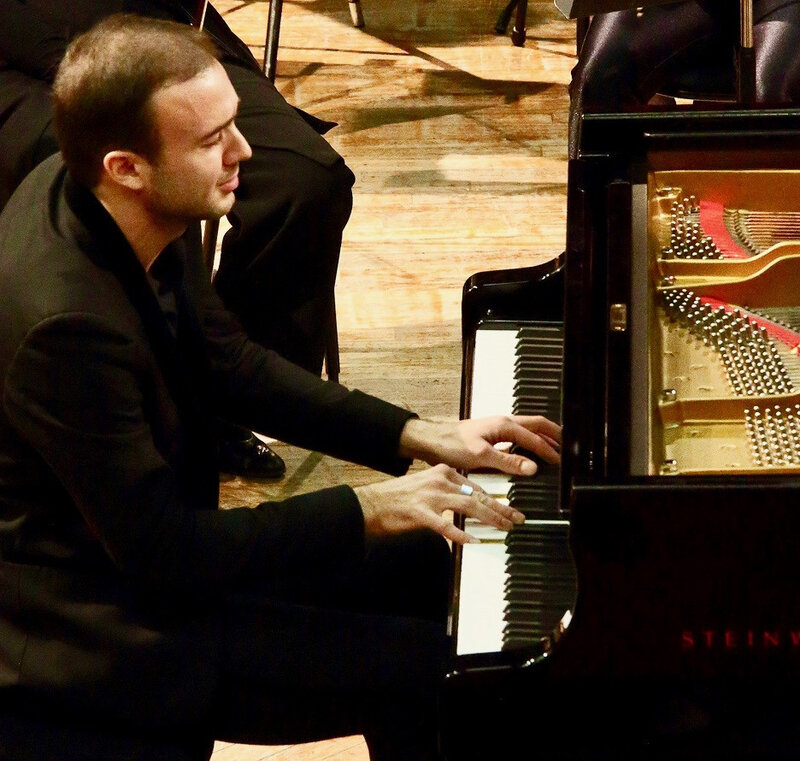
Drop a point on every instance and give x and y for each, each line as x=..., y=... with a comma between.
x=239, y=149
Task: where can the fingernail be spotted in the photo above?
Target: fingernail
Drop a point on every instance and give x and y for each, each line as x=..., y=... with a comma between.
x=518, y=518
x=528, y=468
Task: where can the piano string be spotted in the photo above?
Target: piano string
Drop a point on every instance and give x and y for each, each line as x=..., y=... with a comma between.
x=709, y=230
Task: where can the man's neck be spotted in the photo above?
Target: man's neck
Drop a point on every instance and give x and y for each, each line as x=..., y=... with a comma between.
x=147, y=236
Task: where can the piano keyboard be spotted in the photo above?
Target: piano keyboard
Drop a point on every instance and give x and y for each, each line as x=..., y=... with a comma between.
x=514, y=588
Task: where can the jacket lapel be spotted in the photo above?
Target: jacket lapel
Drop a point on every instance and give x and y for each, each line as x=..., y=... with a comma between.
x=180, y=354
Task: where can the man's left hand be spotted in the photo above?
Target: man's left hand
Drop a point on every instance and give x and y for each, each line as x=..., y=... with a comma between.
x=483, y=443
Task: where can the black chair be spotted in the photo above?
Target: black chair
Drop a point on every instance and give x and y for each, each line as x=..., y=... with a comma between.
x=710, y=78
x=274, y=30
x=23, y=738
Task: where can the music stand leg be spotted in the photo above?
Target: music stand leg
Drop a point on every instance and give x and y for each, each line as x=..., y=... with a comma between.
x=746, y=56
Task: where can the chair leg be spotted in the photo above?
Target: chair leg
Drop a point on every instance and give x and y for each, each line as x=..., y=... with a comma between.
x=356, y=14
x=503, y=20
x=519, y=32
x=332, y=345
x=273, y=37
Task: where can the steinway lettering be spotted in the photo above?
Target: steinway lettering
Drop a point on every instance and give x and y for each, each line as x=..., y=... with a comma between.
x=733, y=639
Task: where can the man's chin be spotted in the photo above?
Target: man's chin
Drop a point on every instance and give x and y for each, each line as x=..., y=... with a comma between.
x=219, y=209
x=225, y=204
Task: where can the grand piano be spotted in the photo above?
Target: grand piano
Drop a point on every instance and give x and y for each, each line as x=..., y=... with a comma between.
x=649, y=607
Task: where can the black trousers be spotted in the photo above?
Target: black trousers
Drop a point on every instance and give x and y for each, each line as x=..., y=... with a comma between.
x=278, y=264
x=363, y=654
x=628, y=56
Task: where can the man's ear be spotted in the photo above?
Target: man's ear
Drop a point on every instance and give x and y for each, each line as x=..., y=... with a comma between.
x=126, y=168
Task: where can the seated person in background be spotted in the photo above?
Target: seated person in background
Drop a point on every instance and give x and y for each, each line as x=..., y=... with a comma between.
x=128, y=599
x=628, y=56
x=278, y=264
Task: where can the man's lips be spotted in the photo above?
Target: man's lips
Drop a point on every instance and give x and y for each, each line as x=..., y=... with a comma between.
x=230, y=185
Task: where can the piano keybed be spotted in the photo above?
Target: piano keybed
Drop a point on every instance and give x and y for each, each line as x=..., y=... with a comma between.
x=514, y=589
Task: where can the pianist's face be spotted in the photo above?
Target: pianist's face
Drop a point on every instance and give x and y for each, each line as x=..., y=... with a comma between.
x=196, y=171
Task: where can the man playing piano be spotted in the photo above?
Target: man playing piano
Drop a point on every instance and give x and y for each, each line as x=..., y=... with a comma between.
x=278, y=265
x=128, y=600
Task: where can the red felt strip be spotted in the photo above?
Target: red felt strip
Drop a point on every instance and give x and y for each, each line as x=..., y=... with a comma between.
x=712, y=223
x=774, y=331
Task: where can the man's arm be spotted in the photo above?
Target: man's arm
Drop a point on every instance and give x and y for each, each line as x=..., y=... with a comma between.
x=263, y=391
x=329, y=418
x=77, y=392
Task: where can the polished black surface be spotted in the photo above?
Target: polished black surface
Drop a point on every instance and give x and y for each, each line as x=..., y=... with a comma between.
x=684, y=640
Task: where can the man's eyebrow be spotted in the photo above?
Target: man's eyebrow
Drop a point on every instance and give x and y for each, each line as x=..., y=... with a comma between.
x=208, y=135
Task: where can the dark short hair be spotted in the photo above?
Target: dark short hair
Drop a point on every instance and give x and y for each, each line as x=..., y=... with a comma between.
x=104, y=86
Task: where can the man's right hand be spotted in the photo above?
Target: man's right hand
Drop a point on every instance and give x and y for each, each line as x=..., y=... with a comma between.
x=420, y=500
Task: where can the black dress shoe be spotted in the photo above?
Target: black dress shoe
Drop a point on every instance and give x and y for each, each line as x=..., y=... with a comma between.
x=250, y=458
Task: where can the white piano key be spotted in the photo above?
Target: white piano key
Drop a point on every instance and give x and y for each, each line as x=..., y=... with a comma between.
x=480, y=615
x=494, y=484
x=483, y=566
x=493, y=372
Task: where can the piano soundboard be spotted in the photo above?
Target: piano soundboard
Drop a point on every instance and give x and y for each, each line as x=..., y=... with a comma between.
x=725, y=363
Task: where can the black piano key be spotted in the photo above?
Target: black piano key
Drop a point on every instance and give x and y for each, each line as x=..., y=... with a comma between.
x=552, y=577
x=550, y=541
x=539, y=490
x=525, y=368
x=557, y=582
x=531, y=530
x=543, y=486
x=522, y=487
x=520, y=598
x=538, y=511
x=540, y=583
x=527, y=602
x=543, y=562
x=524, y=617
x=537, y=506
x=544, y=482
x=538, y=407
x=527, y=380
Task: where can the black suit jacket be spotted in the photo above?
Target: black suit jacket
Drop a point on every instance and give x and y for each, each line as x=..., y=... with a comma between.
x=113, y=553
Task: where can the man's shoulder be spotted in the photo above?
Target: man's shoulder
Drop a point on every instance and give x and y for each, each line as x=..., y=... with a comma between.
x=44, y=268
x=31, y=200
x=27, y=223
